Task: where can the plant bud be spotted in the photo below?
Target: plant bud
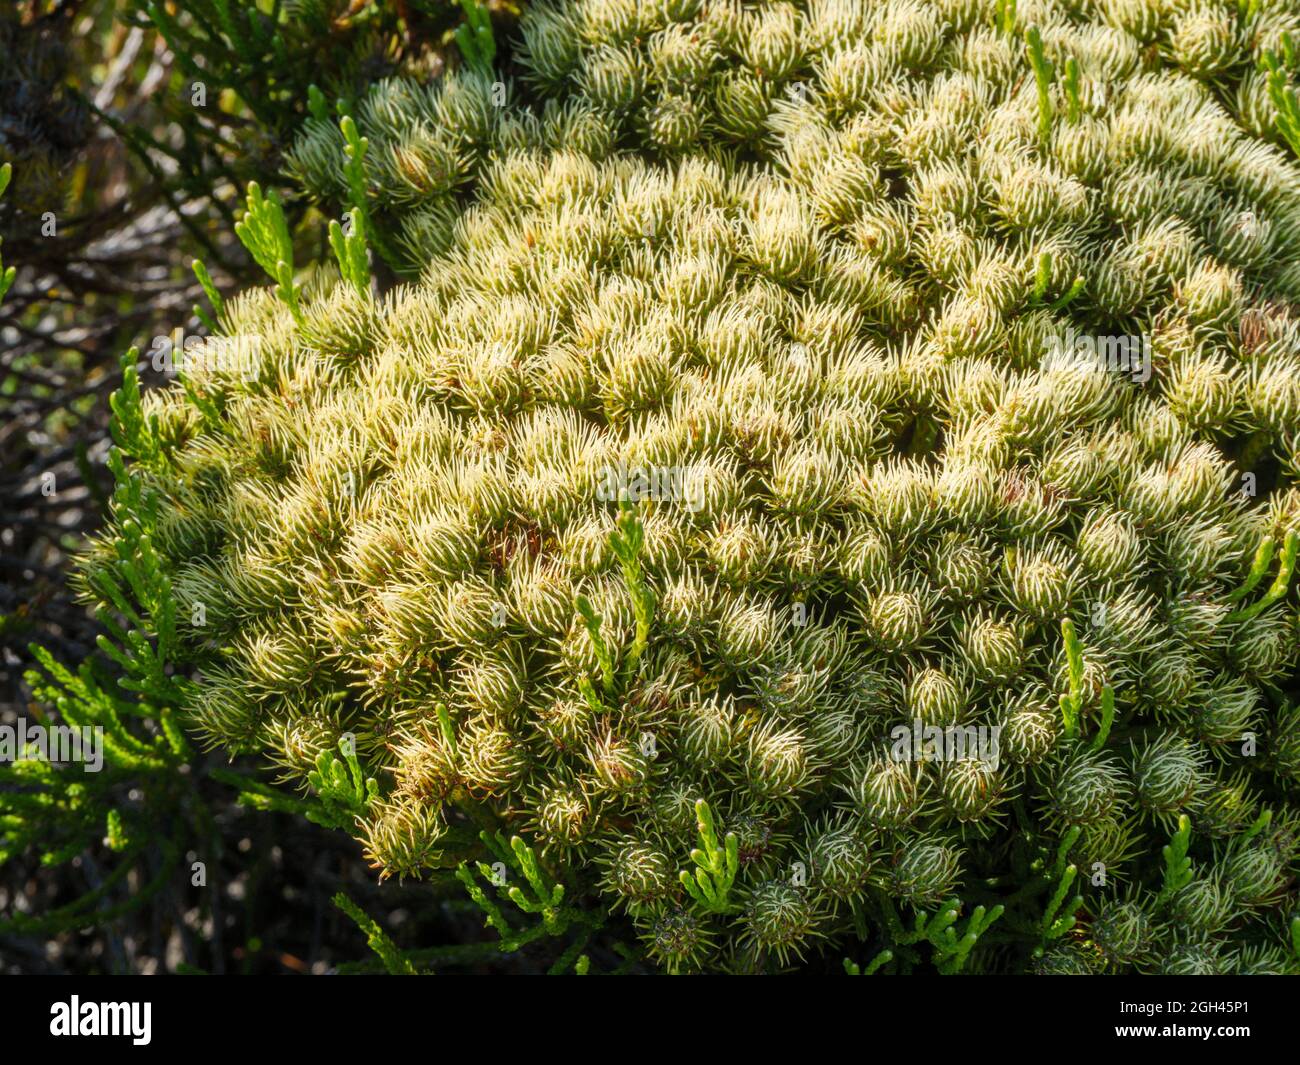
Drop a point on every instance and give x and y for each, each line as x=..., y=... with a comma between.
x=994, y=648
x=612, y=78
x=1028, y=508
x=1204, y=393
x=403, y=837
x=742, y=100
x=1108, y=843
x=1254, y=875
x=745, y=631
x=491, y=758
x=1211, y=293
x=1225, y=711
x=772, y=46
x=493, y=683
x=971, y=788
x=834, y=733
x=1064, y=959
x=1040, y=581
x=899, y=496
x=1109, y=545
x=674, y=123
x=1192, y=959
x=1072, y=468
x=777, y=764
x=1030, y=728
x=1198, y=548
x=1260, y=960
x=780, y=918
x=1086, y=788
x=757, y=839
x=1204, y=40
x=896, y=621
x=741, y=551
x=1285, y=736
x=961, y=569
x=839, y=859
x=681, y=58
x=1124, y=932
x=1169, y=775
x=468, y=612
x=967, y=492
x=679, y=940
x=910, y=34
x=620, y=766
x=888, y=793
x=1128, y=625
x=708, y=730
x=936, y=698
x=1261, y=647
x=1226, y=810
x=426, y=770
x=924, y=871
x=638, y=874
x=1196, y=618
x=1202, y=906
x=1171, y=679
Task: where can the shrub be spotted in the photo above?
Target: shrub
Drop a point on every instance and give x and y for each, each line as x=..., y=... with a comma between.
x=804, y=393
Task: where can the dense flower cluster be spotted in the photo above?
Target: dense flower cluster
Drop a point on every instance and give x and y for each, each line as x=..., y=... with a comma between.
x=905, y=356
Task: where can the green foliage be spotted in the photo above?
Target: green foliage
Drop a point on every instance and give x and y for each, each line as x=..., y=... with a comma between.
x=7, y=274
x=1044, y=73
x=1059, y=916
x=148, y=805
x=341, y=791
x=209, y=290
x=350, y=246
x=403, y=177
x=60, y=811
x=604, y=656
x=1072, y=701
x=1178, y=867
x=1278, y=589
x=129, y=787
x=1283, y=97
x=954, y=943
x=345, y=792
x=852, y=968
x=1070, y=84
x=396, y=963
x=1043, y=275
x=950, y=940
x=474, y=37
x=627, y=543
x=715, y=865
x=516, y=874
x=265, y=233
x=1005, y=16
